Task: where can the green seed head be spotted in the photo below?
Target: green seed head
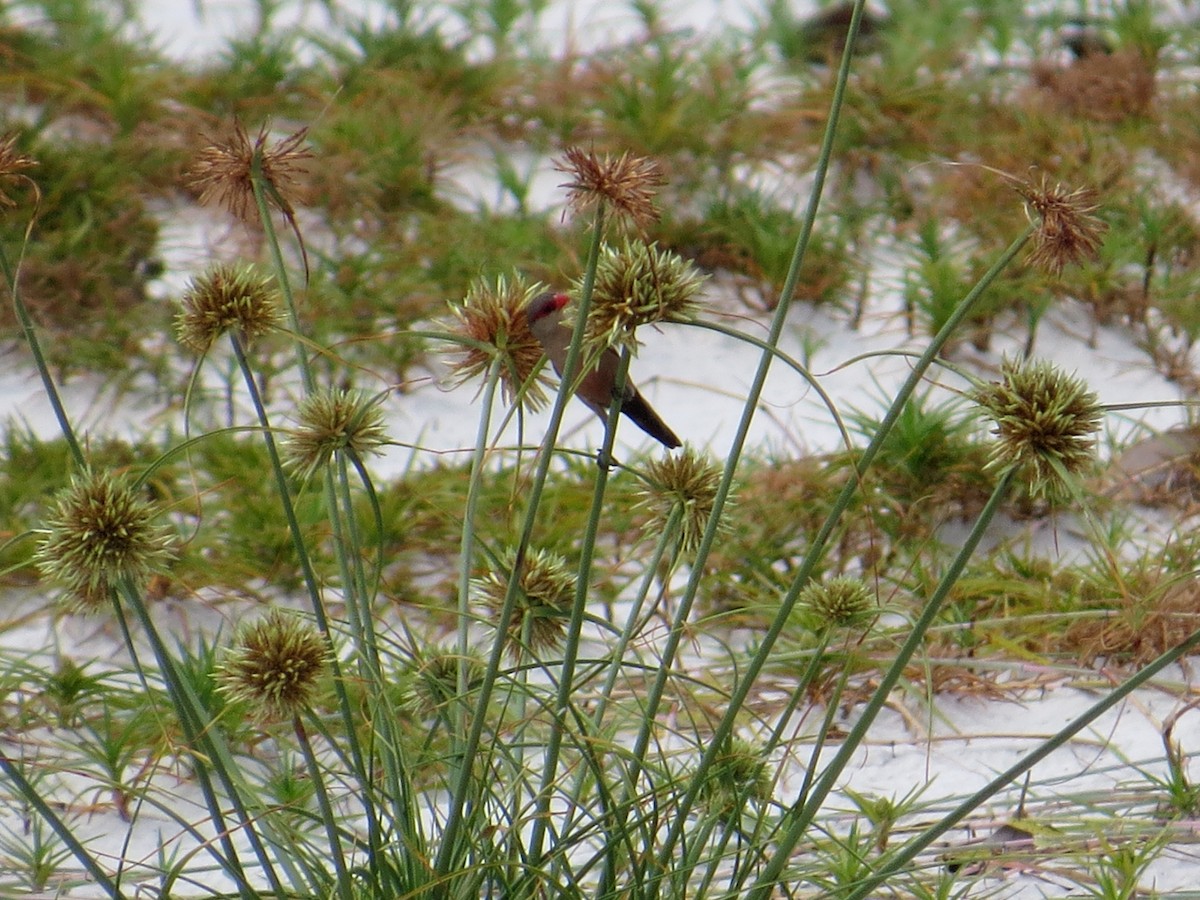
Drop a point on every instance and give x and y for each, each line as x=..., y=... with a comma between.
x=333, y=421
x=639, y=284
x=102, y=531
x=274, y=665
x=431, y=682
x=545, y=593
x=842, y=602
x=227, y=298
x=738, y=776
x=1046, y=422
x=684, y=484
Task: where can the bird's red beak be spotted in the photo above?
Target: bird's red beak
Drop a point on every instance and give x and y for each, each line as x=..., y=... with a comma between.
x=561, y=300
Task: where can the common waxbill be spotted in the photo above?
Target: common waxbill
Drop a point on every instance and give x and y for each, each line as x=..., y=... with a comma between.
x=545, y=313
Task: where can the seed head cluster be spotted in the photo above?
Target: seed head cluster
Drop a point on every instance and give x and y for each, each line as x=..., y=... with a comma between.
x=227, y=298
x=639, y=284
x=330, y=422
x=274, y=665
x=1067, y=233
x=545, y=592
x=102, y=532
x=1046, y=422
x=841, y=602
x=739, y=775
x=626, y=183
x=13, y=166
x=225, y=170
x=431, y=682
x=683, y=484
x=491, y=323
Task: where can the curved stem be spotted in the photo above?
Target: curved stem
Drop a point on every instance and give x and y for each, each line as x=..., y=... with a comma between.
x=11, y=274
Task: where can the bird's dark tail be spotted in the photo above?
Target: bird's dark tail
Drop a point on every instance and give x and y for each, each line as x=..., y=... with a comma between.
x=642, y=415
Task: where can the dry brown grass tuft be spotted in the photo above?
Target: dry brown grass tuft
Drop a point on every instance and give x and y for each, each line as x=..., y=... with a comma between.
x=1141, y=627
x=1101, y=87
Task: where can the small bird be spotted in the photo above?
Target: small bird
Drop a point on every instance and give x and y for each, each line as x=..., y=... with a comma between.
x=545, y=314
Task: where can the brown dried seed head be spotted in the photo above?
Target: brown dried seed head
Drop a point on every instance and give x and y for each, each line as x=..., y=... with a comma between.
x=13, y=164
x=627, y=183
x=224, y=171
x=492, y=318
x=1068, y=232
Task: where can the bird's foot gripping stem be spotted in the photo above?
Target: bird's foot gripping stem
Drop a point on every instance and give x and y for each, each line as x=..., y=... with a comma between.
x=605, y=460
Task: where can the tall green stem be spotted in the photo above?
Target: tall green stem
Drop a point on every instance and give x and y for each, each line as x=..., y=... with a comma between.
x=466, y=560
x=306, y=569
x=449, y=850
x=723, y=489
x=566, y=679
x=345, y=889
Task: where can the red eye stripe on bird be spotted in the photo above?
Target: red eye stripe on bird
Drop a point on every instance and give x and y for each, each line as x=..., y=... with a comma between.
x=545, y=313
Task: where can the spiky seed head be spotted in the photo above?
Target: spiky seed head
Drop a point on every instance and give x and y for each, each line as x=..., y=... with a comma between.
x=739, y=774
x=626, y=183
x=1046, y=422
x=13, y=165
x=492, y=322
x=839, y=602
x=638, y=284
x=333, y=421
x=683, y=484
x=227, y=298
x=431, y=682
x=274, y=665
x=224, y=171
x=102, y=531
x=1067, y=231
x=545, y=592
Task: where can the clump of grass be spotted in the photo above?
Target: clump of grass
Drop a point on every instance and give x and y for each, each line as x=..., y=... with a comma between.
x=1104, y=87
x=929, y=469
x=747, y=232
x=1139, y=617
x=587, y=673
